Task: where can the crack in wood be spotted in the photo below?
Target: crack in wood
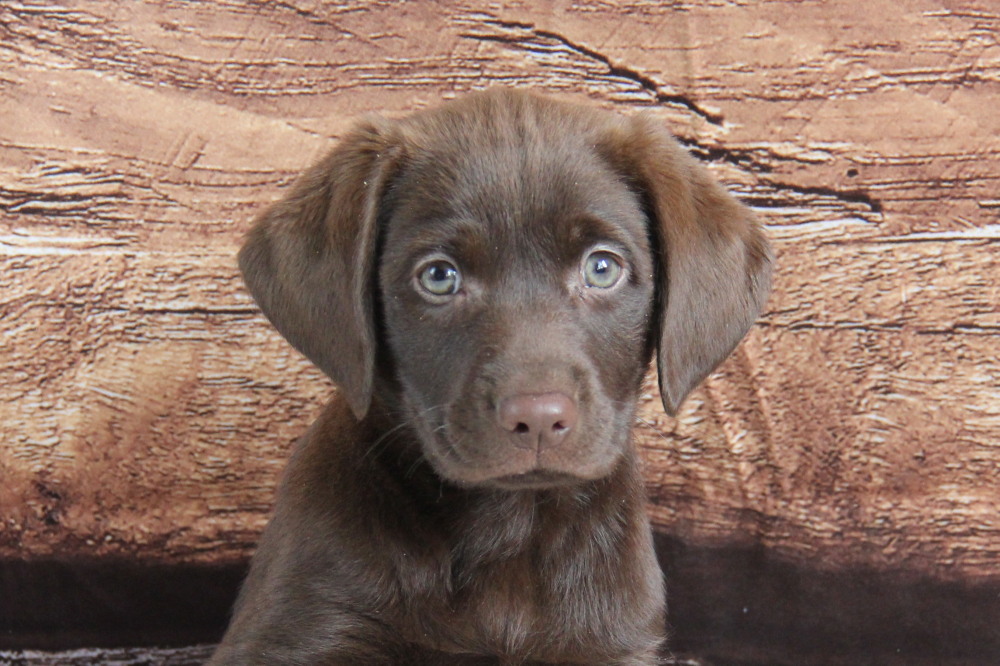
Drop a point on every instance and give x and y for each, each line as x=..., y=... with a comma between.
x=743, y=158
x=853, y=196
x=198, y=311
x=644, y=81
x=964, y=329
x=530, y=34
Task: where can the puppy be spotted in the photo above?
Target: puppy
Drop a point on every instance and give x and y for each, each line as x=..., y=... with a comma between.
x=486, y=282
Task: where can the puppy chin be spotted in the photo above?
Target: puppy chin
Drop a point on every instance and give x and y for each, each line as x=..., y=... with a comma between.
x=538, y=479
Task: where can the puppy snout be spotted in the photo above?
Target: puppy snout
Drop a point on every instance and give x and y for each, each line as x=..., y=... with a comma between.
x=538, y=420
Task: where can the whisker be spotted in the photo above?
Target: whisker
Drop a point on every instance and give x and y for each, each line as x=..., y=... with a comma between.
x=384, y=440
x=413, y=467
x=666, y=437
x=389, y=435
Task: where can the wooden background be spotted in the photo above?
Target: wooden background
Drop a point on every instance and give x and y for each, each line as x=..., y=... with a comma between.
x=146, y=408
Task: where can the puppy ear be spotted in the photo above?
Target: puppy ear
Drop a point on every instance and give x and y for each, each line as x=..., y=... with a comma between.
x=714, y=261
x=309, y=259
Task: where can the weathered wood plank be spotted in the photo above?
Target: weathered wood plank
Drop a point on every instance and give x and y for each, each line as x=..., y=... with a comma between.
x=144, y=353
x=146, y=408
x=856, y=489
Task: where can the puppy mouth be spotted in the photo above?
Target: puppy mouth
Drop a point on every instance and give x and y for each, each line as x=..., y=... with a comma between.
x=520, y=469
x=535, y=479
x=525, y=474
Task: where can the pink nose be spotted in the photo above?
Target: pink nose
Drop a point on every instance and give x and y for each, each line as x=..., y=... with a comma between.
x=538, y=420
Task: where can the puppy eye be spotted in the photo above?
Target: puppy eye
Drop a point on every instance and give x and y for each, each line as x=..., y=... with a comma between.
x=602, y=270
x=440, y=278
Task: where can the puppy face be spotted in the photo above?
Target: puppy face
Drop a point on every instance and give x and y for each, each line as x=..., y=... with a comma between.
x=500, y=269
x=517, y=286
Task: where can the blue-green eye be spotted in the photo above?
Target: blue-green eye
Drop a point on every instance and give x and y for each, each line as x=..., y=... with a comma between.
x=440, y=278
x=602, y=270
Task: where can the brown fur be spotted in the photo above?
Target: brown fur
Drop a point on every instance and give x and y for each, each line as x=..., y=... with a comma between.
x=413, y=524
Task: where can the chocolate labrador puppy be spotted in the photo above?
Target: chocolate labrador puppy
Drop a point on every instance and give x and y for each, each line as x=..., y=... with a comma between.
x=486, y=282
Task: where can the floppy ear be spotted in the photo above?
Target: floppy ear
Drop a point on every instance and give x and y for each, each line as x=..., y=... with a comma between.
x=714, y=260
x=309, y=259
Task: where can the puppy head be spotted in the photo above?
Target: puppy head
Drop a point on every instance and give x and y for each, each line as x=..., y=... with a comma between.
x=511, y=262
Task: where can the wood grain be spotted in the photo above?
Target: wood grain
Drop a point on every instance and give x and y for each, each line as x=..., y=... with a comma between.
x=146, y=408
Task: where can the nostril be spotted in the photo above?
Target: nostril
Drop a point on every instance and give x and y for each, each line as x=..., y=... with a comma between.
x=521, y=428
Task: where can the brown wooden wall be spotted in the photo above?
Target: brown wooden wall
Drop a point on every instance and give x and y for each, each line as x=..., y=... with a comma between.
x=146, y=407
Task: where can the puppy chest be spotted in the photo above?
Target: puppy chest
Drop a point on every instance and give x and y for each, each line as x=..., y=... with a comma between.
x=517, y=609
